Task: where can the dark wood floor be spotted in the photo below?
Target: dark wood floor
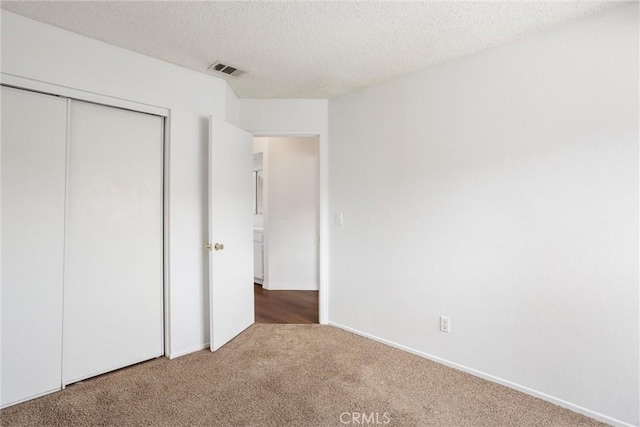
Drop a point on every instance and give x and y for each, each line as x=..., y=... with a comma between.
x=285, y=306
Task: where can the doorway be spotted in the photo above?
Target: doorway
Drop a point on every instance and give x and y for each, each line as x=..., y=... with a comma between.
x=286, y=214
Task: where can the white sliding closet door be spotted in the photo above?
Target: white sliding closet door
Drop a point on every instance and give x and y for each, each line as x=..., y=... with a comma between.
x=113, y=290
x=33, y=185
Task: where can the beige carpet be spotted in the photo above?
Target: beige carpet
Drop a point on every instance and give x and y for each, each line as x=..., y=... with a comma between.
x=291, y=375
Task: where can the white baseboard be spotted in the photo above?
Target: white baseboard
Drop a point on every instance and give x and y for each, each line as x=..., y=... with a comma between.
x=563, y=403
x=292, y=287
x=190, y=350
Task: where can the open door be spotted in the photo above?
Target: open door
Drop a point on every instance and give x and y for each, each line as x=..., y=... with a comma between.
x=230, y=232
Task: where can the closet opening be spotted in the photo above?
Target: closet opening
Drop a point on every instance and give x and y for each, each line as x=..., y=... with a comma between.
x=84, y=222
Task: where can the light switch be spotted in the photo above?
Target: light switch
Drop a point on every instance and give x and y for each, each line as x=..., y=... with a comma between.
x=339, y=218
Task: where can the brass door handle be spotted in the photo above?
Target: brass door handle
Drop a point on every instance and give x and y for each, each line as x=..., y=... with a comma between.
x=218, y=246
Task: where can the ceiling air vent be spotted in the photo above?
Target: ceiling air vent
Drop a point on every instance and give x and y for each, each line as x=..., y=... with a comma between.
x=219, y=67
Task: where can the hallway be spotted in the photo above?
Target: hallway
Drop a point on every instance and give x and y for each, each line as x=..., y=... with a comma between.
x=285, y=306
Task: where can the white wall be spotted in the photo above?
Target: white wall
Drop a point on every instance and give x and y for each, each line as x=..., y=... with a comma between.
x=270, y=116
x=500, y=190
x=232, y=106
x=38, y=51
x=292, y=220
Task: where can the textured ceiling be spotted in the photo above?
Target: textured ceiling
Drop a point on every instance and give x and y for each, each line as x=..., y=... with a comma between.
x=312, y=49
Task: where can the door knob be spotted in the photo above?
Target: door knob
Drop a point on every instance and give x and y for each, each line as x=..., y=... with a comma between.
x=218, y=246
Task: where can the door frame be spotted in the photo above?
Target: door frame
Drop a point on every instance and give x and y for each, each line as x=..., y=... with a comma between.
x=323, y=207
x=32, y=85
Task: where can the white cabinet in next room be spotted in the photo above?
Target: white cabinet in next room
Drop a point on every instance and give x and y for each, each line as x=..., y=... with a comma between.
x=258, y=256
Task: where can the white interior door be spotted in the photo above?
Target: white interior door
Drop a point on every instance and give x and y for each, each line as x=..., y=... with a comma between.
x=113, y=289
x=34, y=134
x=230, y=231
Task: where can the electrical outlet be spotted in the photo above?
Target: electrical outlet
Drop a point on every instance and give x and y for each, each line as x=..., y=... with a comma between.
x=445, y=324
x=339, y=218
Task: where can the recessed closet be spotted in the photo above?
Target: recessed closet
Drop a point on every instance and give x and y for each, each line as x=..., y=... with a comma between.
x=82, y=241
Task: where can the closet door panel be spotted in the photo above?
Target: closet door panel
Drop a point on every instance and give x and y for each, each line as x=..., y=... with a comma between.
x=33, y=192
x=113, y=297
